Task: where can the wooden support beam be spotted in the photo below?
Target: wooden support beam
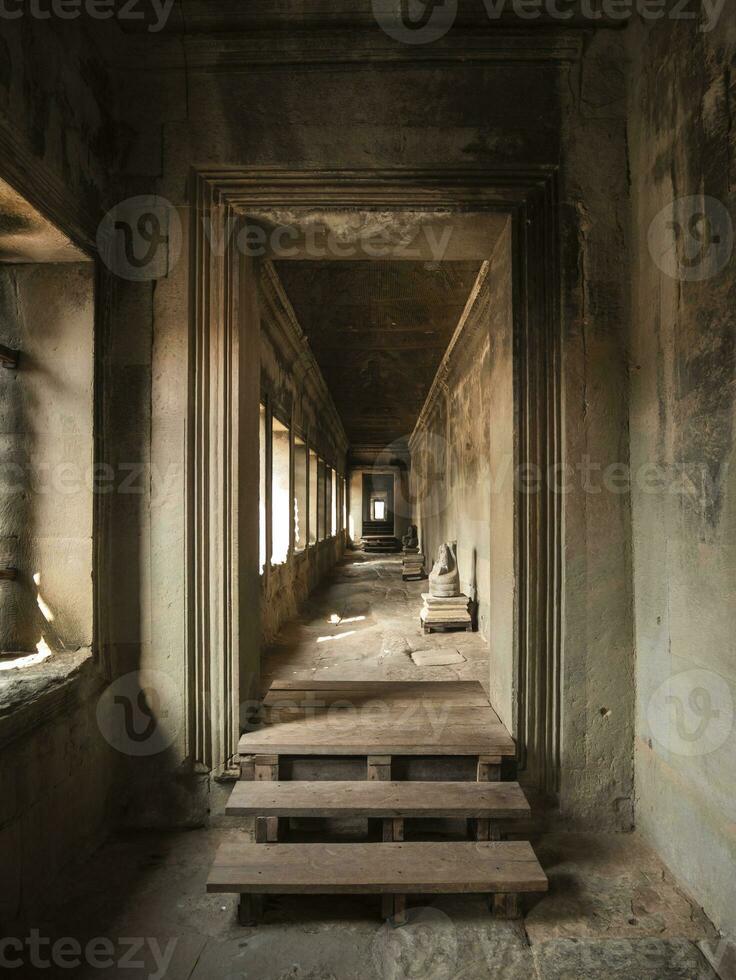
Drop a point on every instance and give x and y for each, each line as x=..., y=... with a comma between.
x=393, y=829
x=399, y=910
x=250, y=909
x=266, y=768
x=248, y=768
x=9, y=357
x=506, y=905
x=393, y=908
x=488, y=771
x=379, y=770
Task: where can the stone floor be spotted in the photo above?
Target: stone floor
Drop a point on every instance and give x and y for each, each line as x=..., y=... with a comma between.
x=612, y=910
x=378, y=629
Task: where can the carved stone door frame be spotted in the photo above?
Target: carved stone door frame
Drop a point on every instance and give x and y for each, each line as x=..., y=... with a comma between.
x=222, y=477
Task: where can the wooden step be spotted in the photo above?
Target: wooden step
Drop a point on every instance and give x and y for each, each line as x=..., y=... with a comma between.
x=394, y=868
x=379, y=718
x=323, y=798
x=375, y=693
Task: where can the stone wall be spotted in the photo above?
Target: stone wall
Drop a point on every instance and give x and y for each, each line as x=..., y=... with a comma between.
x=502, y=413
x=297, y=393
x=450, y=460
x=59, y=149
x=597, y=683
x=463, y=466
x=683, y=368
x=56, y=772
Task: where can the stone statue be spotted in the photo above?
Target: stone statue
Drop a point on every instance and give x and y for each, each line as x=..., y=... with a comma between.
x=444, y=579
x=410, y=541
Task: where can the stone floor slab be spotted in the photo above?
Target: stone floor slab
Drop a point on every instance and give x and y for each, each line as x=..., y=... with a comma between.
x=621, y=959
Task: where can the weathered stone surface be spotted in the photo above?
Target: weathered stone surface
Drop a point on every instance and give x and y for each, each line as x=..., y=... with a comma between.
x=394, y=643
x=610, y=886
x=444, y=579
x=645, y=959
x=682, y=411
x=376, y=647
x=440, y=658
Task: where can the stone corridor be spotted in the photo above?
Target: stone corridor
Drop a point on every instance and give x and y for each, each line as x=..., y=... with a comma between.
x=363, y=624
x=287, y=289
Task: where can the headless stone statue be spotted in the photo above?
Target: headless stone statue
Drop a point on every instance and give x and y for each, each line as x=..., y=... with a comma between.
x=444, y=579
x=410, y=540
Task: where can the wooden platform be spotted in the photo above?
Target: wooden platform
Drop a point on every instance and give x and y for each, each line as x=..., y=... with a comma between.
x=426, y=718
x=409, y=868
x=325, y=798
x=432, y=726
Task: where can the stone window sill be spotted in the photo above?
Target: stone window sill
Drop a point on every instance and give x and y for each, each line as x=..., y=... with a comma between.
x=31, y=695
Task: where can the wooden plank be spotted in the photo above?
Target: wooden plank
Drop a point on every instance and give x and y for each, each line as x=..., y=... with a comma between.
x=379, y=717
x=508, y=867
x=309, y=699
x=500, y=801
x=302, y=739
x=410, y=715
x=383, y=689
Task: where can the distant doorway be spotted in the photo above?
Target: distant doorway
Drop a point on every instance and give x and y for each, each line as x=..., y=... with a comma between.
x=378, y=503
